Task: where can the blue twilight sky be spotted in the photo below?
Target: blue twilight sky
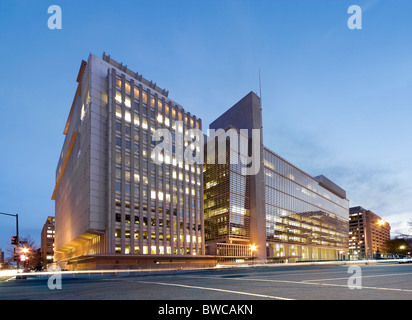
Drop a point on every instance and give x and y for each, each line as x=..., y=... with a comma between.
x=336, y=101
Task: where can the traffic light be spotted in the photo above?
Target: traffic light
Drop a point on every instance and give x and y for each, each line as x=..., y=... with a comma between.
x=16, y=254
x=14, y=240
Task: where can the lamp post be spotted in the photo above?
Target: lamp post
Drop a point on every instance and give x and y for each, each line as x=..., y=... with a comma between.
x=253, y=249
x=17, y=231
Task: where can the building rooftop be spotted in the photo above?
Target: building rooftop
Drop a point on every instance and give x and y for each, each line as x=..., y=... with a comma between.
x=135, y=75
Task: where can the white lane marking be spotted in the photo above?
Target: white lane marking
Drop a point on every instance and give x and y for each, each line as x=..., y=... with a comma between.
x=216, y=289
x=370, y=276
x=305, y=282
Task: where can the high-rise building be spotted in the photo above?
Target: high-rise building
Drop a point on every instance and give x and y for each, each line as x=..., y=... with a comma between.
x=47, y=240
x=1, y=258
x=114, y=206
x=367, y=234
x=279, y=213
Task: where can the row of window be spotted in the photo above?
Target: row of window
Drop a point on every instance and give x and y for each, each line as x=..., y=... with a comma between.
x=174, y=113
x=154, y=250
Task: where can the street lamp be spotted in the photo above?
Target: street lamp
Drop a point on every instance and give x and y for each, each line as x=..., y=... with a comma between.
x=16, y=238
x=253, y=249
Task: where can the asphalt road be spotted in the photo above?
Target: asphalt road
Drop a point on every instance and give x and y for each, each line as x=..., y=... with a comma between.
x=281, y=282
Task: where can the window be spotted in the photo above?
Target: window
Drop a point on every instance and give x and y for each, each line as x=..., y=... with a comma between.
x=118, y=172
x=118, y=141
x=118, y=97
x=119, y=112
x=128, y=103
x=128, y=117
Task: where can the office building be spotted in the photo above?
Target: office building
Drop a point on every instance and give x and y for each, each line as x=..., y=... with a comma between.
x=278, y=214
x=367, y=234
x=1, y=258
x=115, y=207
x=47, y=241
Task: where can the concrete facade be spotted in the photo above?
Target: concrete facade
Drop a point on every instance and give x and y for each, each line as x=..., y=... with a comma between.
x=111, y=199
x=47, y=240
x=367, y=234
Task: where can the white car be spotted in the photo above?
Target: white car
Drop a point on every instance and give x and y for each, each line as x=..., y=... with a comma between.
x=406, y=260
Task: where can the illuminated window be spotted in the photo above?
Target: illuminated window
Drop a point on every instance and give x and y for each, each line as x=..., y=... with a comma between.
x=119, y=97
x=144, y=124
x=128, y=103
x=127, y=117
x=118, y=112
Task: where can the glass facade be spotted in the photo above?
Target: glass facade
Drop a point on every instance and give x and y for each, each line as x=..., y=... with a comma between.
x=304, y=221
x=226, y=199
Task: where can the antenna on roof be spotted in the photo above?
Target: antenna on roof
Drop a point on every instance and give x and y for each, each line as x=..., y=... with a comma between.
x=260, y=90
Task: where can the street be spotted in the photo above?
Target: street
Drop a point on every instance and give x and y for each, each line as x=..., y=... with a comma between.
x=280, y=282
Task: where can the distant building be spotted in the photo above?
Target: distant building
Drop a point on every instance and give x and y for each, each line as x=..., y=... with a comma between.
x=47, y=240
x=367, y=234
x=1, y=258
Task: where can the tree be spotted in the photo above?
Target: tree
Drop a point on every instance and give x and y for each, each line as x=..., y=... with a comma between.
x=398, y=247
x=35, y=261
x=32, y=252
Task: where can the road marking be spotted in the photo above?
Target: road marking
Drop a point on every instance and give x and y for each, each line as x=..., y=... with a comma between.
x=216, y=289
x=305, y=282
x=371, y=276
